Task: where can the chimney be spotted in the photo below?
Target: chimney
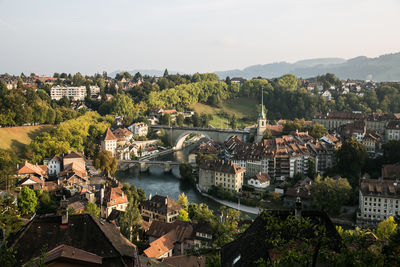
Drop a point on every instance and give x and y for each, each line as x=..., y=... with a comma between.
x=64, y=211
x=101, y=195
x=298, y=208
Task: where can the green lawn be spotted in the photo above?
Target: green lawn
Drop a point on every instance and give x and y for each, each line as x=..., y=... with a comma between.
x=15, y=138
x=245, y=110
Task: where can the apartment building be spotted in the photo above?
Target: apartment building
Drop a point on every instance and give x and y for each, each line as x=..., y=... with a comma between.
x=379, y=199
x=220, y=173
x=75, y=93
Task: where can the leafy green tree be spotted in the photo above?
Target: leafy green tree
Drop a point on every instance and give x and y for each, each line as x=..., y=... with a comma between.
x=46, y=204
x=351, y=158
x=165, y=73
x=267, y=134
x=233, y=122
x=180, y=120
x=391, y=151
x=131, y=221
x=92, y=209
x=227, y=228
x=7, y=256
x=316, y=130
x=106, y=162
x=9, y=216
x=186, y=171
x=386, y=228
x=27, y=201
x=183, y=216
x=183, y=201
x=330, y=194
x=287, y=82
x=7, y=167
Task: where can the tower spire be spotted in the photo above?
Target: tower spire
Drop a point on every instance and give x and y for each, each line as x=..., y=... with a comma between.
x=262, y=115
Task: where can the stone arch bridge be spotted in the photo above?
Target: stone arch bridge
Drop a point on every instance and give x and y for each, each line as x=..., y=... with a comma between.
x=144, y=165
x=177, y=135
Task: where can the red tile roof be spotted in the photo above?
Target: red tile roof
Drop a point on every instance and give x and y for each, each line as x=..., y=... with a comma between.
x=161, y=246
x=73, y=155
x=28, y=168
x=64, y=252
x=109, y=135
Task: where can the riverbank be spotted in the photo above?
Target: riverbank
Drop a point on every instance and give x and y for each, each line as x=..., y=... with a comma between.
x=244, y=208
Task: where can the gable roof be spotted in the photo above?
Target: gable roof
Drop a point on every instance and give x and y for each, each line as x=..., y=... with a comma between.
x=186, y=260
x=29, y=168
x=114, y=196
x=83, y=231
x=183, y=230
x=109, y=135
x=263, y=177
x=221, y=166
x=73, y=155
x=68, y=253
x=161, y=245
x=161, y=204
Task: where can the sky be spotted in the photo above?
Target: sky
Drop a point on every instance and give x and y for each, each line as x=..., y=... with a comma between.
x=88, y=36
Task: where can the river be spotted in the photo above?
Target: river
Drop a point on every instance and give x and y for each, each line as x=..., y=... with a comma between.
x=157, y=182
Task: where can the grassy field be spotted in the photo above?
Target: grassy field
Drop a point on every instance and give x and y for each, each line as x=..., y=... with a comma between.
x=245, y=110
x=14, y=138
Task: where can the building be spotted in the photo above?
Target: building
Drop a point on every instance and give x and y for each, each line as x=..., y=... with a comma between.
x=73, y=174
x=54, y=165
x=109, y=142
x=160, y=208
x=76, y=158
x=220, y=173
x=74, y=240
x=251, y=246
x=123, y=136
x=209, y=147
x=392, y=130
x=74, y=93
x=302, y=190
x=373, y=121
x=378, y=200
x=261, y=122
x=179, y=236
x=260, y=180
x=139, y=128
x=112, y=198
x=28, y=169
x=373, y=143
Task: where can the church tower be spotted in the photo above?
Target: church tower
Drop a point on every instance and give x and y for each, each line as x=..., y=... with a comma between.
x=261, y=121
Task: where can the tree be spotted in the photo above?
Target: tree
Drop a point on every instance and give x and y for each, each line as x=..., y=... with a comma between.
x=180, y=120
x=7, y=167
x=7, y=256
x=92, y=209
x=185, y=170
x=9, y=215
x=131, y=221
x=106, y=162
x=330, y=194
x=46, y=204
x=165, y=73
x=351, y=158
x=316, y=130
x=386, y=228
x=233, y=122
x=391, y=151
x=183, y=216
x=267, y=134
x=183, y=201
x=27, y=201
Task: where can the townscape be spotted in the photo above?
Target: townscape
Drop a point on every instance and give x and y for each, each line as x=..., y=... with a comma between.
x=337, y=170
x=212, y=133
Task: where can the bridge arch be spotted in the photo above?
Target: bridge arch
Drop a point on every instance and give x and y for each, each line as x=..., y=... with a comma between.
x=179, y=141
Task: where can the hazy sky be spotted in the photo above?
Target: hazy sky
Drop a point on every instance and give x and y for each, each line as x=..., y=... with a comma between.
x=46, y=36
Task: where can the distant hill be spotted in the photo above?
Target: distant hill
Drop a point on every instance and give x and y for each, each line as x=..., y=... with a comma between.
x=382, y=68
x=157, y=73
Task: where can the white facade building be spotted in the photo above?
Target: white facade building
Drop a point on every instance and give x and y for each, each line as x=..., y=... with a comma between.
x=379, y=199
x=109, y=142
x=54, y=165
x=72, y=92
x=139, y=128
